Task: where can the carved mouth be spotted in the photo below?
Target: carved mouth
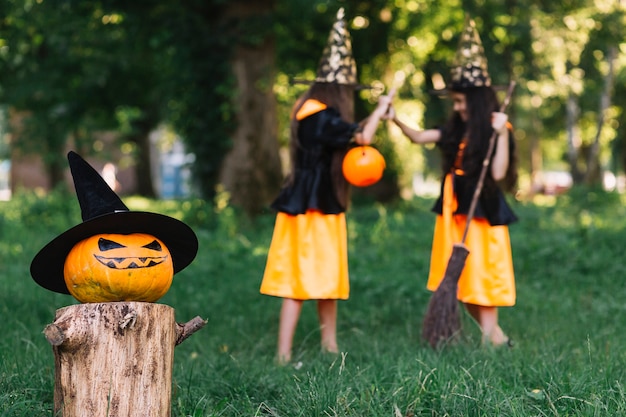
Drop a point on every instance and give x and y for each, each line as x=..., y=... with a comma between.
x=132, y=262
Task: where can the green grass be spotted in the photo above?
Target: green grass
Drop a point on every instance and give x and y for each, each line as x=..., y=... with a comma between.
x=569, y=323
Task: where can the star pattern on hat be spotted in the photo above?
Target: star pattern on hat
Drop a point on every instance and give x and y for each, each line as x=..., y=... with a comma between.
x=470, y=62
x=337, y=64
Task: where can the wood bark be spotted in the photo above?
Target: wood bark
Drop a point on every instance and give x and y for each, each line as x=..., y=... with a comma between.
x=115, y=359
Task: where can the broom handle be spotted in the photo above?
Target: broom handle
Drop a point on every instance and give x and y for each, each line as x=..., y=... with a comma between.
x=483, y=172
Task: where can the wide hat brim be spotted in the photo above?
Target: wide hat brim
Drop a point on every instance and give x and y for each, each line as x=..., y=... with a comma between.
x=443, y=92
x=356, y=86
x=47, y=266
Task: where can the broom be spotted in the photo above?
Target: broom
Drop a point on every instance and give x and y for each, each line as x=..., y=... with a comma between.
x=442, y=322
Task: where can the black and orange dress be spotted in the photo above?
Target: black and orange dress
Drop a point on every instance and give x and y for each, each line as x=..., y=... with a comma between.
x=488, y=278
x=308, y=254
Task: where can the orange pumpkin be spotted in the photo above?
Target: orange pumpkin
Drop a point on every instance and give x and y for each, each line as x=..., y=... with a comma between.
x=363, y=166
x=117, y=267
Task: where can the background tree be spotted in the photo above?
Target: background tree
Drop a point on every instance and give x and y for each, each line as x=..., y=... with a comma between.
x=44, y=77
x=251, y=172
x=141, y=64
x=74, y=67
x=60, y=75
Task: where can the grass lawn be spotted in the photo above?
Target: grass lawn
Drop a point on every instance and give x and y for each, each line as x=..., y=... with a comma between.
x=569, y=323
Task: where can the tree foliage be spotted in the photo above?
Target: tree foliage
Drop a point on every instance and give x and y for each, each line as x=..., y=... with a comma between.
x=45, y=74
x=76, y=66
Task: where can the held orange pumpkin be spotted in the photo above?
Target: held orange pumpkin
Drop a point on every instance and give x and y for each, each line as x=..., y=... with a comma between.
x=363, y=166
x=117, y=267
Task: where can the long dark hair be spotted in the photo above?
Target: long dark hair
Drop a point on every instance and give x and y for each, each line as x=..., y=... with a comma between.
x=480, y=103
x=341, y=98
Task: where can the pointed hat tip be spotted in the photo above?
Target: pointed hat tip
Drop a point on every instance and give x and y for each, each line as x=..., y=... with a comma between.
x=95, y=197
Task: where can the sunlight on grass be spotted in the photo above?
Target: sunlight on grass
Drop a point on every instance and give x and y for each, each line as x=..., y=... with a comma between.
x=543, y=200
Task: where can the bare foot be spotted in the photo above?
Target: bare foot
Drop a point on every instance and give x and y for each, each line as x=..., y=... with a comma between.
x=330, y=348
x=283, y=359
x=497, y=338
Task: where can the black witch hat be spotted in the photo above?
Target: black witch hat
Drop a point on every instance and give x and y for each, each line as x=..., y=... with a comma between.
x=470, y=62
x=104, y=212
x=469, y=68
x=337, y=65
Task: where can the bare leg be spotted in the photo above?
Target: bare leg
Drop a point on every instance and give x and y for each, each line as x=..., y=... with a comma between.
x=327, y=313
x=487, y=319
x=474, y=311
x=289, y=316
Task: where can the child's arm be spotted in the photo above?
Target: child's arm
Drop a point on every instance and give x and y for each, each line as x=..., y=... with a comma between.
x=416, y=136
x=500, y=161
x=366, y=135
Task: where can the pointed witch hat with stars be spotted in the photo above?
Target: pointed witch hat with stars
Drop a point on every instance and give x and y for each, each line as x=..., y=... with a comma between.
x=103, y=212
x=337, y=65
x=469, y=68
x=470, y=63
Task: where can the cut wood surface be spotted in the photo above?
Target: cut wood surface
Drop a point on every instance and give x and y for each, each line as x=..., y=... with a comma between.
x=115, y=359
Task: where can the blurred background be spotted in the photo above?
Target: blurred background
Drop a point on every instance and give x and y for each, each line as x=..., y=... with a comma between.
x=192, y=98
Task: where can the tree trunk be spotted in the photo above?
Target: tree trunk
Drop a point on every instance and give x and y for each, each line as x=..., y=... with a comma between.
x=573, y=138
x=536, y=157
x=594, y=173
x=251, y=172
x=115, y=359
x=55, y=169
x=143, y=162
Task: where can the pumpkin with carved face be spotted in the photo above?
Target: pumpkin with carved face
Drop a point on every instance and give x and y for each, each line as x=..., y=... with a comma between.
x=118, y=267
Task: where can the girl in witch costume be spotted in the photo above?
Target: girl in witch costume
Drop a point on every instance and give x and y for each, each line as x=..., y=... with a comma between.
x=487, y=281
x=307, y=258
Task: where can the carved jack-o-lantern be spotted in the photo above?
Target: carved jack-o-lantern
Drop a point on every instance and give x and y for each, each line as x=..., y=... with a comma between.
x=117, y=267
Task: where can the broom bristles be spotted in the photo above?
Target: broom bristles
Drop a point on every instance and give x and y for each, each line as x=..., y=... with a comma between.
x=442, y=322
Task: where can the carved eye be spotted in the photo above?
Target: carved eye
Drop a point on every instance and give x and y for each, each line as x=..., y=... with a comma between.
x=154, y=245
x=106, y=244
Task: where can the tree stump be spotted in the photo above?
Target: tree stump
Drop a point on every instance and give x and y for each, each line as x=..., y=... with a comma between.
x=115, y=359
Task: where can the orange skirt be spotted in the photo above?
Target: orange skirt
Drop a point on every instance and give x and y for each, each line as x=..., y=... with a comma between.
x=308, y=257
x=488, y=278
